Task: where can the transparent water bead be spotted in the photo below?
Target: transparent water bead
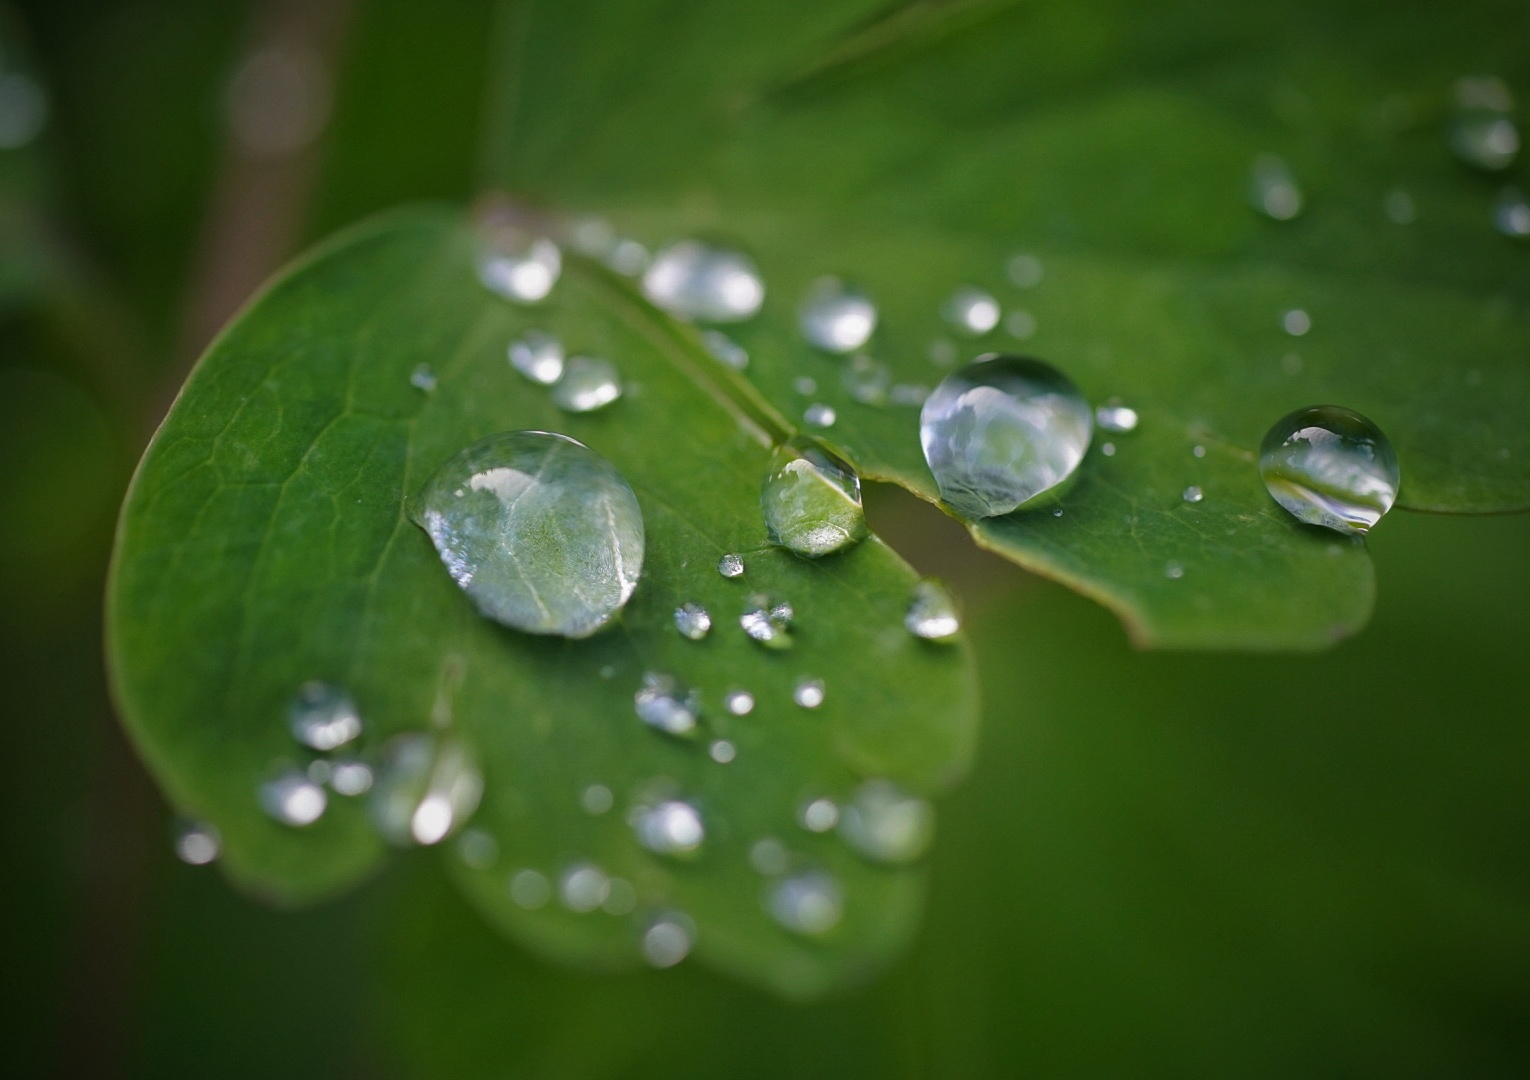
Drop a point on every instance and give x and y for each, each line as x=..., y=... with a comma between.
x=517, y=264
x=739, y=702
x=819, y=415
x=663, y=703
x=1330, y=466
x=541, y=532
x=836, y=317
x=971, y=311
x=1511, y=214
x=932, y=613
x=808, y=693
x=583, y=887
x=1273, y=190
x=422, y=378
x=426, y=788
x=693, y=621
x=811, y=500
x=350, y=777
x=709, y=284
x=809, y=903
x=538, y=356
x=197, y=844
x=1193, y=494
x=768, y=622
x=323, y=717
x=588, y=383
x=725, y=349
x=1296, y=322
x=731, y=565
x=293, y=798
x=722, y=751
x=1484, y=138
x=886, y=824
x=670, y=828
x=819, y=815
x=668, y=940
x=1173, y=571
x=1116, y=418
x=1002, y=431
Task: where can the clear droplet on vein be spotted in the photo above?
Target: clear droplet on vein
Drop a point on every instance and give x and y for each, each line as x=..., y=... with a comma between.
x=518, y=264
x=811, y=500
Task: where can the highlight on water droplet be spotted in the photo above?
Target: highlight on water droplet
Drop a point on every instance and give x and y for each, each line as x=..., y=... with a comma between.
x=693, y=621
x=422, y=378
x=323, y=717
x=515, y=262
x=1273, y=190
x=1330, y=466
x=768, y=621
x=1173, y=571
x=349, y=777
x=197, y=843
x=541, y=532
x=739, y=702
x=292, y=798
x=722, y=751
x=1192, y=494
x=667, y=940
x=1296, y=322
x=971, y=311
x=886, y=824
x=811, y=500
x=808, y=693
x=1002, y=431
x=836, y=317
x=819, y=815
x=932, y=613
x=662, y=703
x=731, y=565
x=427, y=787
x=588, y=383
x=809, y=903
x=695, y=280
x=670, y=828
x=583, y=887
x=1116, y=418
x=725, y=349
x=819, y=415
x=1511, y=214
x=538, y=356
x=1108, y=449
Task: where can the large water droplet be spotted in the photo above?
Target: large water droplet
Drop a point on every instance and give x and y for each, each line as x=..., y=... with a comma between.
x=1511, y=214
x=932, y=613
x=323, y=717
x=668, y=940
x=837, y=317
x=811, y=500
x=427, y=787
x=518, y=264
x=807, y=903
x=663, y=703
x=539, y=530
x=1272, y=188
x=588, y=383
x=1330, y=466
x=887, y=824
x=1001, y=431
x=971, y=311
x=197, y=844
x=768, y=621
x=538, y=356
x=693, y=621
x=293, y=798
x=710, y=284
x=670, y=828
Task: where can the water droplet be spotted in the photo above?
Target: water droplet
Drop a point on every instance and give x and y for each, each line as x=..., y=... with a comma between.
x=725, y=349
x=805, y=385
x=722, y=751
x=538, y=356
x=1483, y=138
x=1198, y=450
x=583, y=887
x=768, y=856
x=971, y=311
x=768, y=621
x=1296, y=322
x=1057, y=511
x=670, y=828
x=427, y=787
x=808, y=903
x=518, y=264
x=350, y=778
x=292, y=798
x=477, y=849
x=866, y=380
x=628, y=258
x=539, y=530
x=596, y=799
x=1001, y=431
x=1193, y=494
x=588, y=383
x=836, y=317
x=819, y=815
x=1330, y=466
x=1511, y=214
x=808, y=693
x=1021, y=325
x=1400, y=207
x=1025, y=270
x=1173, y=571
x=693, y=620
x=668, y=940
x=423, y=378
x=887, y=824
x=819, y=415
x=664, y=704
x=811, y=500
x=529, y=889
x=621, y=897
x=731, y=565
x=1108, y=449
x=1116, y=418
x=197, y=844
x=709, y=284
x=1272, y=188
x=932, y=613
x=739, y=702
x=323, y=717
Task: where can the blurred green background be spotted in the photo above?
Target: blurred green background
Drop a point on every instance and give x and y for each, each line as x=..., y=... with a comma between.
x=1161, y=865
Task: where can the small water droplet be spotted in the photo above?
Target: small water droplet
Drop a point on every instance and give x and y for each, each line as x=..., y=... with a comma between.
x=768, y=622
x=932, y=613
x=808, y=903
x=698, y=281
x=725, y=349
x=323, y=717
x=1173, y=571
x=197, y=844
x=670, y=828
x=517, y=264
x=886, y=824
x=530, y=889
x=477, y=849
x=583, y=887
x=1400, y=207
x=731, y=565
x=693, y=620
x=664, y=704
x=819, y=815
x=836, y=317
x=588, y=383
x=423, y=378
x=1116, y=418
x=538, y=356
x=668, y=940
x=722, y=751
x=768, y=856
x=1108, y=449
x=1330, y=466
x=971, y=311
x=1021, y=325
x=739, y=702
x=811, y=500
x=1296, y=322
x=1198, y=450
x=350, y=777
x=805, y=385
x=1511, y=214
x=1272, y=188
x=1193, y=494
x=292, y=798
x=427, y=787
x=808, y=693
x=596, y=799
x=1002, y=431
x=819, y=415
x=542, y=533
x=1025, y=270
x=866, y=380
x=628, y=258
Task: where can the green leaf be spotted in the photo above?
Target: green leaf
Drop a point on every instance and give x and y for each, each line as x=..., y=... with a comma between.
x=264, y=543
x=918, y=148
